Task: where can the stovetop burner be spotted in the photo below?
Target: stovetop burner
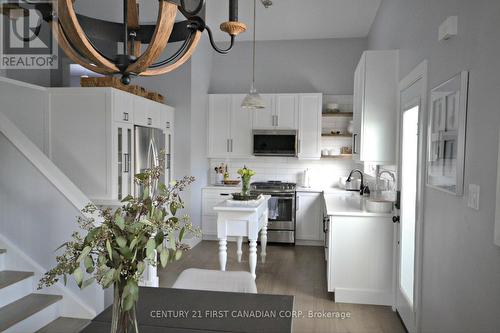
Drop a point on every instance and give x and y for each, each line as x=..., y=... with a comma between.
x=273, y=185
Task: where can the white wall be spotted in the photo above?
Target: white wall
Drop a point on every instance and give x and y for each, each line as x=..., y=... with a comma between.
x=32, y=215
x=461, y=272
x=294, y=66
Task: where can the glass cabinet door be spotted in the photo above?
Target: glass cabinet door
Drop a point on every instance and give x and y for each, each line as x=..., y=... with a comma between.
x=124, y=144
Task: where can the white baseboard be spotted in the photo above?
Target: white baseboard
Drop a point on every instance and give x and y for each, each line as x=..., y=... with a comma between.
x=364, y=296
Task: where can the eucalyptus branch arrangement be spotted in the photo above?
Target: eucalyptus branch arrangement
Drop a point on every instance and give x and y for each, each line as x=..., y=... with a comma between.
x=118, y=250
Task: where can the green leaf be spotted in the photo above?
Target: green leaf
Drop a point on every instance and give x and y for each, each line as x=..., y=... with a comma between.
x=164, y=254
x=178, y=254
x=145, y=194
x=85, y=252
x=108, y=247
x=150, y=247
x=78, y=274
x=141, y=267
x=89, y=264
x=128, y=198
x=128, y=303
x=146, y=222
x=181, y=234
x=171, y=241
x=159, y=238
x=121, y=241
x=120, y=222
x=87, y=282
x=173, y=208
x=133, y=243
x=108, y=278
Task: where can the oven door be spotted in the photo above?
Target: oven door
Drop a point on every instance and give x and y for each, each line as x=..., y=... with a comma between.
x=281, y=212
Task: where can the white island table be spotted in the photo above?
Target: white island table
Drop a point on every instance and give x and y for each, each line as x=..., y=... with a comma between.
x=242, y=219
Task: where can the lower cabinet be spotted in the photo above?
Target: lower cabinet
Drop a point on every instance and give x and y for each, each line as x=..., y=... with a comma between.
x=309, y=218
x=361, y=259
x=211, y=197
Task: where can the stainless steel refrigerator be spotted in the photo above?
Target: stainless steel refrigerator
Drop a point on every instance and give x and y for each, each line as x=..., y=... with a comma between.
x=149, y=144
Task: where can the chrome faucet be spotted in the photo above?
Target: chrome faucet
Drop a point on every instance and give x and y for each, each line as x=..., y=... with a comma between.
x=390, y=175
x=349, y=178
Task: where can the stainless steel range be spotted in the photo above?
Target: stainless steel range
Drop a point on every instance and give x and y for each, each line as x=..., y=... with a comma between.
x=281, y=226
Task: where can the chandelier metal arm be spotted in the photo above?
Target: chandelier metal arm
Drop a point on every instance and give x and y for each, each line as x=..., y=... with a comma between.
x=75, y=33
x=164, y=26
x=215, y=47
x=177, y=53
x=71, y=52
x=185, y=57
x=186, y=12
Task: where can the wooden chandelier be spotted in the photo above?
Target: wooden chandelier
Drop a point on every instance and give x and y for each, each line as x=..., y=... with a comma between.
x=76, y=36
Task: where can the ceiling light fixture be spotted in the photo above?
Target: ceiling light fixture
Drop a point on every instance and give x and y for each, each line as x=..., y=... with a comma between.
x=76, y=35
x=253, y=100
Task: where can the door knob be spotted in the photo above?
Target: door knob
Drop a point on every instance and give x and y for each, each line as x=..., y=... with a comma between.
x=396, y=219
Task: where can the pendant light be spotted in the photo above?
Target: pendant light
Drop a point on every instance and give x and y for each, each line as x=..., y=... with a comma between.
x=253, y=101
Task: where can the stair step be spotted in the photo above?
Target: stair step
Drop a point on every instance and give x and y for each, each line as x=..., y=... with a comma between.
x=65, y=325
x=3, y=251
x=23, y=308
x=8, y=278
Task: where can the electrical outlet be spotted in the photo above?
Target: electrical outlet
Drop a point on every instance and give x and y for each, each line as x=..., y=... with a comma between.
x=473, y=199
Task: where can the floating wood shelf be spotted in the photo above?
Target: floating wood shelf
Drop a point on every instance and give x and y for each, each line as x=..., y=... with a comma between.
x=338, y=114
x=338, y=135
x=341, y=156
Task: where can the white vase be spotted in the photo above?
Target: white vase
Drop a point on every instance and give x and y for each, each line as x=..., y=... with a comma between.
x=350, y=127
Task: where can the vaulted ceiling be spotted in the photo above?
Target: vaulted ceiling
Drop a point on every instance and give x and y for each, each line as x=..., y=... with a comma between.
x=284, y=20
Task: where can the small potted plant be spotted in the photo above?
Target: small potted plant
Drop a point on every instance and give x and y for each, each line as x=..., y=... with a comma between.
x=246, y=175
x=116, y=251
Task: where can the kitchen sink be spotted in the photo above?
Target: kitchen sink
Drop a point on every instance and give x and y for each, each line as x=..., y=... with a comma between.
x=379, y=206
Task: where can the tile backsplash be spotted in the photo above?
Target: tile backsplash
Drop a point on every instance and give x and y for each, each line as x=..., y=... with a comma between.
x=323, y=173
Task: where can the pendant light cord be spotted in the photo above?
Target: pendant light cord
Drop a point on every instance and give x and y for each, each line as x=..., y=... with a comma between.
x=254, y=29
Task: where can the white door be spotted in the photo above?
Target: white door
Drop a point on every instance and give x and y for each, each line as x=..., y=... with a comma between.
x=286, y=111
x=240, y=145
x=124, y=154
x=265, y=118
x=358, y=99
x=219, y=122
x=309, y=145
x=411, y=166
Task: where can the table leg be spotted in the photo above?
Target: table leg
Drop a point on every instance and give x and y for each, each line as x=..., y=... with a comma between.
x=253, y=257
x=263, y=242
x=222, y=253
x=239, y=252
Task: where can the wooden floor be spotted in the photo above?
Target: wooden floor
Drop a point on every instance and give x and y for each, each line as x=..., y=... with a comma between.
x=298, y=271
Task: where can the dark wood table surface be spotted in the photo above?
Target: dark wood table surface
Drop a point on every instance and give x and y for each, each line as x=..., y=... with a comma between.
x=178, y=310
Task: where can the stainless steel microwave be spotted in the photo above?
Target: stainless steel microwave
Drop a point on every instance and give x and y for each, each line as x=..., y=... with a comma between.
x=275, y=143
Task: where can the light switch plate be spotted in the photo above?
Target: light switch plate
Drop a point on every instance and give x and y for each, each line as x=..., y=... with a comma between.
x=473, y=199
x=449, y=28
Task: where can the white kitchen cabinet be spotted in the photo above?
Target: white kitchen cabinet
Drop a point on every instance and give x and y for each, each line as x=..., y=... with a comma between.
x=375, y=107
x=265, y=118
x=309, y=144
x=91, y=137
x=360, y=260
x=309, y=218
x=229, y=127
x=211, y=197
x=281, y=112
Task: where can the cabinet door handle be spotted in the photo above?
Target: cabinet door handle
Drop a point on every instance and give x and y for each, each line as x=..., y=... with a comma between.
x=224, y=194
x=227, y=145
x=231, y=145
x=298, y=146
x=167, y=125
x=126, y=167
x=125, y=116
x=150, y=121
x=354, y=144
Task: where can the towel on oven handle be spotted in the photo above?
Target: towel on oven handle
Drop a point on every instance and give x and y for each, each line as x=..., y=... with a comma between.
x=272, y=204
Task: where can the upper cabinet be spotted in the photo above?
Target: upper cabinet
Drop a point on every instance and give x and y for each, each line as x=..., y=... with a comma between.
x=309, y=106
x=229, y=127
x=375, y=107
x=281, y=112
x=92, y=134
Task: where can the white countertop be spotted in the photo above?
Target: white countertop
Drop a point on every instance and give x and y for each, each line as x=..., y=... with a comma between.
x=319, y=190
x=348, y=205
